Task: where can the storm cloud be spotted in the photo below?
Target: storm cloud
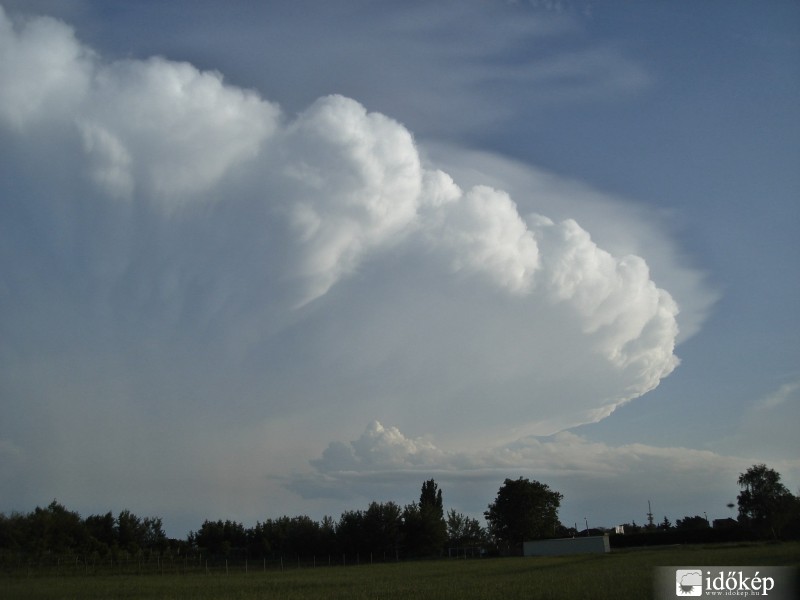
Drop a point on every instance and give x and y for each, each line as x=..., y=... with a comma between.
x=183, y=258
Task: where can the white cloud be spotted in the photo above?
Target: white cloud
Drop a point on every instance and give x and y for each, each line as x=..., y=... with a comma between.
x=50, y=70
x=617, y=226
x=178, y=129
x=110, y=160
x=379, y=448
x=157, y=127
x=484, y=233
x=351, y=183
x=615, y=296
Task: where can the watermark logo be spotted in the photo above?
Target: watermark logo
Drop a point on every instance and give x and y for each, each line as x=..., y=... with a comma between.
x=711, y=582
x=688, y=582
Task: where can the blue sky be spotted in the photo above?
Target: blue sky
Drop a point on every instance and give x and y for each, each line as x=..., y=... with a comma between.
x=279, y=258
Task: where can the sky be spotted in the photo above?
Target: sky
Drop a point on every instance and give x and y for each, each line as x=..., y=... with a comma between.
x=265, y=259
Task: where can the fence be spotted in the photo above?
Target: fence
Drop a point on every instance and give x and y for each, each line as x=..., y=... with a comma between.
x=66, y=565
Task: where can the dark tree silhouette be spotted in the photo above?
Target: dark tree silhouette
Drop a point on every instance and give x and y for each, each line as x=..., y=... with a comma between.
x=765, y=504
x=523, y=510
x=463, y=531
x=695, y=522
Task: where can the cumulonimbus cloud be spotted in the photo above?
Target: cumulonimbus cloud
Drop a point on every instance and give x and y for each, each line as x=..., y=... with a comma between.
x=244, y=204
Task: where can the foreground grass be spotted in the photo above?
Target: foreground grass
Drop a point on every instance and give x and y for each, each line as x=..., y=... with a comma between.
x=615, y=576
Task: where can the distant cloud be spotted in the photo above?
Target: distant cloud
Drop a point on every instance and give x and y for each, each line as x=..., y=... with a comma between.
x=594, y=74
x=772, y=416
x=11, y=459
x=380, y=449
x=785, y=393
x=587, y=472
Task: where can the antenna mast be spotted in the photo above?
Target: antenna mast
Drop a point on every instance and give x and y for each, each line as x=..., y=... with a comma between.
x=649, y=515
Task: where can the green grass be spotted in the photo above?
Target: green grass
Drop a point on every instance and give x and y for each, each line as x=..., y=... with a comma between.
x=619, y=575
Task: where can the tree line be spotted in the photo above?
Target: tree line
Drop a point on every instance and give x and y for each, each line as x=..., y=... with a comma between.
x=55, y=530
x=522, y=510
x=383, y=531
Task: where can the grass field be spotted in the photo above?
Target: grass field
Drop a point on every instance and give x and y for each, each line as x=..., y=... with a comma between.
x=615, y=576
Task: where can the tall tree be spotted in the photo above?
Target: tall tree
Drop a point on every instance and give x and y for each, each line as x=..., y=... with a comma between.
x=523, y=510
x=764, y=502
x=431, y=506
x=423, y=526
x=431, y=497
